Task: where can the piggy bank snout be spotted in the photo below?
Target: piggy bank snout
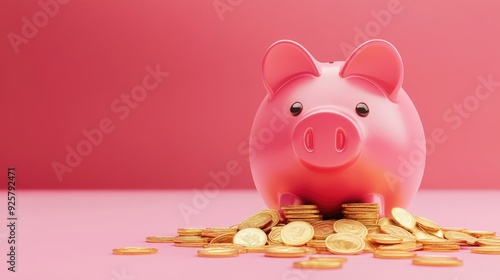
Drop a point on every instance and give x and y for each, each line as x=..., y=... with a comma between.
x=326, y=140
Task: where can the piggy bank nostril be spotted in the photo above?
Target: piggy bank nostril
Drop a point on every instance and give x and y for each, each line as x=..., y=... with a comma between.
x=340, y=140
x=309, y=140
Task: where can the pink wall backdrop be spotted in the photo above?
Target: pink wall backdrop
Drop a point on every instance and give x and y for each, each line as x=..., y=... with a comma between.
x=162, y=94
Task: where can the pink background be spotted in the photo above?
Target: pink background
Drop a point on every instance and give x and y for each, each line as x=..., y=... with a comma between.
x=87, y=54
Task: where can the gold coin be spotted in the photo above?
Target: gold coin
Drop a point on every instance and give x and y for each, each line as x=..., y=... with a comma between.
x=275, y=218
x=360, y=210
x=316, y=245
x=386, y=221
x=373, y=229
x=403, y=218
x=224, y=238
x=437, y=242
x=362, y=220
x=438, y=233
x=323, y=229
x=218, y=252
x=393, y=255
x=437, y=262
x=191, y=239
x=361, y=205
x=405, y=246
x=274, y=237
x=214, y=232
x=303, y=206
x=370, y=247
x=250, y=237
x=190, y=244
x=452, y=229
x=351, y=227
x=361, y=215
x=303, y=216
x=322, y=252
x=135, y=251
x=488, y=242
x=258, y=220
x=310, y=221
x=491, y=250
x=436, y=257
x=190, y=231
x=312, y=264
x=384, y=239
x=460, y=236
x=241, y=249
x=370, y=221
x=397, y=231
x=426, y=224
x=343, y=243
x=367, y=224
x=160, y=239
x=441, y=248
x=297, y=233
x=285, y=252
x=329, y=259
x=481, y=233
x=301, y=211
x=260, y=249
x=309, y=250
x=422, y=235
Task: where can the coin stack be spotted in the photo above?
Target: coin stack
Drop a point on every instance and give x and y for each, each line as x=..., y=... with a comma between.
x=305, y=233
x=306, y=213
x=365, y=213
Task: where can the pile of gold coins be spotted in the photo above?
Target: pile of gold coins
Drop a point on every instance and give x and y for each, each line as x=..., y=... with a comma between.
x=304, y=233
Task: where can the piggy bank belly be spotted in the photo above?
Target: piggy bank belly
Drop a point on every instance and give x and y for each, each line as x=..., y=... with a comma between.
x=291, y=183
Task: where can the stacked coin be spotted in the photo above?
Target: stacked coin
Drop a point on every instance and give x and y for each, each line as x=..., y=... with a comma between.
x=306, y=213
x=365, y=213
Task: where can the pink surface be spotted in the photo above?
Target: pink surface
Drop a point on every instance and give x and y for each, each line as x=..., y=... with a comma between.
x=72, y=66
x=70, y=235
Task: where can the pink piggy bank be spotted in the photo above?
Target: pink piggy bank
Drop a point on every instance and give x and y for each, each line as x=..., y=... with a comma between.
x=336, y=132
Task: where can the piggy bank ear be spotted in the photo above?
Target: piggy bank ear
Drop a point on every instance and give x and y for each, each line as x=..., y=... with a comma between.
x=379, y=62
x=283, y=61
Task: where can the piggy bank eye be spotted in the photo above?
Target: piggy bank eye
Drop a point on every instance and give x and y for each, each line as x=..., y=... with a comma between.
x=296, y=108
x=362, y=109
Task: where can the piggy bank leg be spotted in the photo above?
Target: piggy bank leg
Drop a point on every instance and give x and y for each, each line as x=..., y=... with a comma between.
x=375, y=198
x=288, y=199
